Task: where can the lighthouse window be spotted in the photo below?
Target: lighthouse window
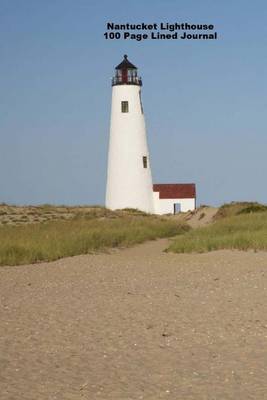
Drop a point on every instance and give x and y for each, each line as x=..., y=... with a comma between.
x=141, y=105
x=124, y=106
x=145, y=162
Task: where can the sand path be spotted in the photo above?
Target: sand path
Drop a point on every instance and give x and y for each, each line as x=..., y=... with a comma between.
x=135, y=324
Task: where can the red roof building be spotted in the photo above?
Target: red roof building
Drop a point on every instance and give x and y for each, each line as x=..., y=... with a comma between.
x=174, y=197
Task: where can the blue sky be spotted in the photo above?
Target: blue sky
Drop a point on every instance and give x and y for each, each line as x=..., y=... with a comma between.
x=204, y=101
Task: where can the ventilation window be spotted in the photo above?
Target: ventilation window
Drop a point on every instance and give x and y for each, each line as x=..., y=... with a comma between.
x=124, y=107
x=141, y=105
x=145, y=162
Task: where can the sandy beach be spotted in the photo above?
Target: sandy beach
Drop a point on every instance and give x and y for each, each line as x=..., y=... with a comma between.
x=134, y=324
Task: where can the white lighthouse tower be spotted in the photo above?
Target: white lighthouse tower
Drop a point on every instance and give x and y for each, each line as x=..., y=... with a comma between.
x=129, y=181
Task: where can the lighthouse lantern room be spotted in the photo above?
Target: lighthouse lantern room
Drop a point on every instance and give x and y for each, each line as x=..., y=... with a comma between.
x=126, y=73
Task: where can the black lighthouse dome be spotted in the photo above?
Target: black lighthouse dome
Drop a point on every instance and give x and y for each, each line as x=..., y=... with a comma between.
x=126, y=74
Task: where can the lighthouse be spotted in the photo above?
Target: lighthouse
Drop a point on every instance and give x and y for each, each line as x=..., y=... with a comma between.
x=129, y=180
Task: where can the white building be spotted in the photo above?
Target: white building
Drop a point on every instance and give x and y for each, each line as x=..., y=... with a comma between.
x=171, y=198
x=129, y=180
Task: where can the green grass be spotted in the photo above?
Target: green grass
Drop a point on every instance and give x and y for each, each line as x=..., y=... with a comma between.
x=52, y=240
x=243, y=232
x=236, y=208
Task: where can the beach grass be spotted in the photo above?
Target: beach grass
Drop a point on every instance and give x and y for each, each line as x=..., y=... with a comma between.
x=245, y=230
x=239, y=207
x=82, y=234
